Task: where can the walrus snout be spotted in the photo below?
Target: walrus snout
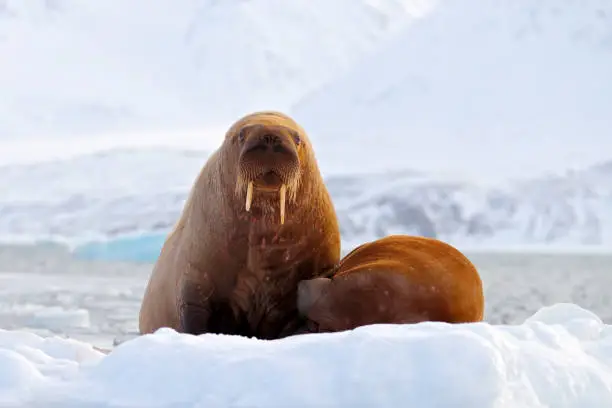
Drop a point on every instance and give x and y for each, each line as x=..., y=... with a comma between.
x=268, y=144
x=269, y=162
x=265, y=152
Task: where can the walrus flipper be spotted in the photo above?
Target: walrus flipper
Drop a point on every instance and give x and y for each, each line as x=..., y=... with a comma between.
x=194, y=310
x=193, y=319
x=199, y=313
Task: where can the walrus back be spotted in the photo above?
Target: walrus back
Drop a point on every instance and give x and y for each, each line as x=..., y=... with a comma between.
x=408, y=253
x=423, y=262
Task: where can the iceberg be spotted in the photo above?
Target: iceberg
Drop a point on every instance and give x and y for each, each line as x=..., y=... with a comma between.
x=138, y=248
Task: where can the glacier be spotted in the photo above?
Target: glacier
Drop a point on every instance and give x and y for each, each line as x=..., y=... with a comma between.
x=559, y=357
x=138, y=248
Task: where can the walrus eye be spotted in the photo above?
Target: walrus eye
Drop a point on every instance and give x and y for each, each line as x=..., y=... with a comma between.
x=241, y=136
x=297, y=139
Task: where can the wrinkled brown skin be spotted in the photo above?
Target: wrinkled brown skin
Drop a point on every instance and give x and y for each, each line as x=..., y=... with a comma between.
x=226, y=270
x=396, y=279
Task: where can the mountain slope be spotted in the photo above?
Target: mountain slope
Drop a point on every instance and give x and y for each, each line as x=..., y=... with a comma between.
x=122, y=193
x=70, y=67
x=484, y=88
x=572, y=210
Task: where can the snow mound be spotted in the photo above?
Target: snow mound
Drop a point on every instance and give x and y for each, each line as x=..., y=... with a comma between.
x=560, y=357
x=483, y=88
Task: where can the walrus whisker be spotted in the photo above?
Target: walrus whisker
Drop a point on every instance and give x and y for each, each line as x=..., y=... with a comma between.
x=283, y=196
x=249, y=196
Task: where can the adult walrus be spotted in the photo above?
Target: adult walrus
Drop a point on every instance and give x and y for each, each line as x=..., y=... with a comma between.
x=258, y=220
x=395, y=279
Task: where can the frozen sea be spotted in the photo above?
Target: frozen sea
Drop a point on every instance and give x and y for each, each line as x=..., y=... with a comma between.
x=45, y=290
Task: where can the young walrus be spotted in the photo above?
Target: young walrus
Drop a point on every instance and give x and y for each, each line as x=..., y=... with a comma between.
x=257, y=221
x=396, y=279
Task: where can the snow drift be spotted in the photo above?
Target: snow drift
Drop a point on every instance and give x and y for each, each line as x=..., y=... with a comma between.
x=560, y=357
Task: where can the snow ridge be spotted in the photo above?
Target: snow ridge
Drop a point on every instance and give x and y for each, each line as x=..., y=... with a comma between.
x=559, y=357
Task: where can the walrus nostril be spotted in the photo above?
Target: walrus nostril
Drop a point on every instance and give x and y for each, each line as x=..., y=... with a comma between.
x=267, y=144
x=270, y=139
x=263, y=143
x=261, y=147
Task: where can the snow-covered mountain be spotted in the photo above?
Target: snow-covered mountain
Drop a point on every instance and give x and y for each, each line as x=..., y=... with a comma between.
x=483, y=88
x=79, y=67
x=122, y=193
x=392, y=92
x=563, y=211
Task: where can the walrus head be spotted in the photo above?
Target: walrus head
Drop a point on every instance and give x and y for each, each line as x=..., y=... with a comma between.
x=344, y=303
x=326, y=305
x=268, y=164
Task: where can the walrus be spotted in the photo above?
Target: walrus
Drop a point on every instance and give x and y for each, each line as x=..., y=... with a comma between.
x=396, y=279
x=257, y=220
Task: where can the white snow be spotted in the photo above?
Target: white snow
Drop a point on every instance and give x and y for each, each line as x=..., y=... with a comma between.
x=485, y=89
x=559, y=357
x=45, y=317
x=87, y=197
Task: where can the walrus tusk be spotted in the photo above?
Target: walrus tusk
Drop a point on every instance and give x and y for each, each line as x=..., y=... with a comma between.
x=283, y=196
x=249, y=196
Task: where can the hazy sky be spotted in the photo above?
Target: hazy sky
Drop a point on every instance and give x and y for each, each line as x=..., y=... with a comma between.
x=487, y=90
